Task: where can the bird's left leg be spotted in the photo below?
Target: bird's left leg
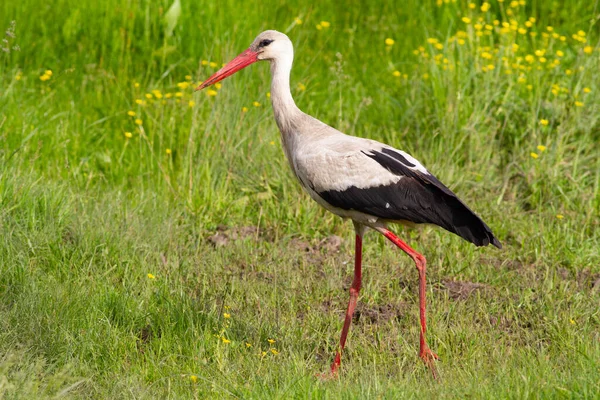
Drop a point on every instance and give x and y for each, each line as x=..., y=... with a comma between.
x=354, y=291
x=425, y=352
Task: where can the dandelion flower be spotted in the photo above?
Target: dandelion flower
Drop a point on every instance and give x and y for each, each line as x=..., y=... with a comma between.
x=396, y=73
x=226, y=315
x=271, y=341
x=572, y=321
x=48, y=72
x=191, y=103
x=586, y=90
x=559, y=53
x=568, y=72
x=148, y=96
x=248, y=345
x=559, y=216
x=581, y=33
x=579, y=104
x=136, y=85
x=301, y=87
x=218, y=85
x=212, y=64
x=272, y=143
x=544, y=122
x=534, y=155
x=244, y=109
x=225, y=340
x=18, y=76
x=298, y=21
x=183, y=85
x=466, y=20
x=588, y=49
x=204, y=62
x=274, y=351
x=44, y=77
x=139, y=101
x=541, y=148
x=178, y=94
x=188, y=77
x=325, y=24
x=485, y=6
x=472, y=6
x=211, y=92
x=138, y=121
x=256, y=104
x=131, y=113
x=150, y=276
x=168, y=151
x=319, y=27
x=389, y=42
x=268, y=95
x=193, y=378
x=128, y=135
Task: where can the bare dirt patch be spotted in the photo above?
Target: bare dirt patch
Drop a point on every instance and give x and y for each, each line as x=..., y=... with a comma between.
x=462, y=290
x=225, y=234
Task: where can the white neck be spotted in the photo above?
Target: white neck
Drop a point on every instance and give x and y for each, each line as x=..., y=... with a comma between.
x=285, y=109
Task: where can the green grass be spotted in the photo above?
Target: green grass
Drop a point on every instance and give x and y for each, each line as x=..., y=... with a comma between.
x=87, y=213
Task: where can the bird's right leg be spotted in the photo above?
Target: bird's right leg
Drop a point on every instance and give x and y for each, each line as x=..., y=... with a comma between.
x=425, y=352
x=354, y=291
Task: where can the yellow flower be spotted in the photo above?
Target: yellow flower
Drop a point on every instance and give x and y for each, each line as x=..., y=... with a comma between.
x=529, y=58
x=226, y=341
x=218, y=85
x=301, y=87
x=439, y=46
x=226, y=315
x=244, y=109
x=211, y=92
x=559, y=53
x=136, y=85
x=559, y=216
x=268, y=95
x=572, y=321
x=193, y=378
x=271, y=341
x=168, y=95
x=581, y=33
x=183, y=85
x=44, y=77
x=212, y=64
x=528, y=24
x=148, y=95
x=588, y=49
x=579, y=104
x=48, y=72
x=325, y=24
x=472, y=6
x=522, y=31
x=188, y=77
x=138, y=121
x=168, y=151
x=319, y=27
x=128, y=135
x=396, y=73
x=544, y=122
x=204, y=62
x=150, y=276
x=157, y=94
x=543, y=59
x=139, y=101
x=191, y=103
x=541, y=148
x=178, y=94
x=466, y=20
x=568, y=72
x=298, y=21
x=533, y=155
x=514, y=4
x=389, y=42
x=131, y=113
x=274, y=351
x=256, y=104
x=18, y=76
x=272, y=143
x=586, y=90
x=248, y=345
x=485, y=6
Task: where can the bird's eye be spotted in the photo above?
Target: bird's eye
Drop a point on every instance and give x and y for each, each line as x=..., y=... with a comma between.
x=265, y=43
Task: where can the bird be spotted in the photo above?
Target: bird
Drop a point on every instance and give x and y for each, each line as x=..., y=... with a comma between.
x=370, y=183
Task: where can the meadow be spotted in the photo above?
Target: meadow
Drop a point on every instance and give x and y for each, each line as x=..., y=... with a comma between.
x=156, y=245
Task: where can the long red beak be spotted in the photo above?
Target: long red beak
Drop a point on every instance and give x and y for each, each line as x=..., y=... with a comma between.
x=242, y=61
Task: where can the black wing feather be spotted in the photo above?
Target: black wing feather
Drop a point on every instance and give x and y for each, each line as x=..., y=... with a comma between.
x=417, y=197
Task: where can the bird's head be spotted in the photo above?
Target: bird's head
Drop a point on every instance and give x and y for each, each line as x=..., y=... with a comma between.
x=269, y=45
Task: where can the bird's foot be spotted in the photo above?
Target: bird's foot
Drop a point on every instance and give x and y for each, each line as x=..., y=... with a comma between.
x=333, y=371
x=429, y=358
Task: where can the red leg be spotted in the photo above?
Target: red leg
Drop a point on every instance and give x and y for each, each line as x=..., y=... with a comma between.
x=425, y=353
x=354, y=290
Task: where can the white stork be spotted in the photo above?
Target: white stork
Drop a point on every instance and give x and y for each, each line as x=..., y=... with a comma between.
x=369, y=182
